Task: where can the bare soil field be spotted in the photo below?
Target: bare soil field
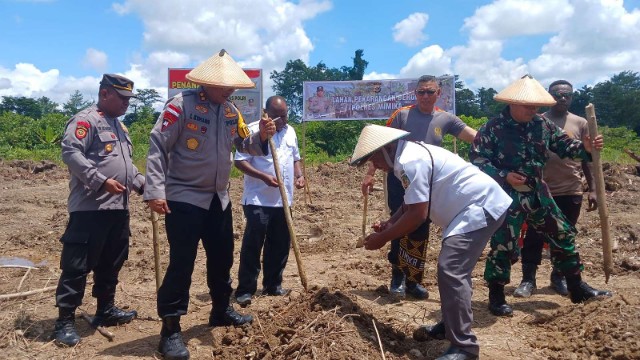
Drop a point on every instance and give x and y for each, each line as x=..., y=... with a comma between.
x=347, y=300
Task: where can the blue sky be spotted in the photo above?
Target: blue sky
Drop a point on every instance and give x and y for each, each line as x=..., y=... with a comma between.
x=54, y=47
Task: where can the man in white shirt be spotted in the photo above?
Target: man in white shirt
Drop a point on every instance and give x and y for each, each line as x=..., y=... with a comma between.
x=263, y=208
x=467, y=204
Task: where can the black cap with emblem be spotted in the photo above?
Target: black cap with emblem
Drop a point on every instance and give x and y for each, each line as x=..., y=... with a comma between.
x=121, y=84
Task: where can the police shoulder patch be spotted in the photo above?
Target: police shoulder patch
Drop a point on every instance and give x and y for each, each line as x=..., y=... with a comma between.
x=405, y=180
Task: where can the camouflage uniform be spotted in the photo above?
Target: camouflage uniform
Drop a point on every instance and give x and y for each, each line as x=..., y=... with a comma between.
x=503, y=146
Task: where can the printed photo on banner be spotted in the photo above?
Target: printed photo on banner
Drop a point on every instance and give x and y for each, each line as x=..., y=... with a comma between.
x=367, y=99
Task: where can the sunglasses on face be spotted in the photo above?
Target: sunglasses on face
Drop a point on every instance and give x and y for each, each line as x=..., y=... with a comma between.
x=559, y=95
x=428, y=91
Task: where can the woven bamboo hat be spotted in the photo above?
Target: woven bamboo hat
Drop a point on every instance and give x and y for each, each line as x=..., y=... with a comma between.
x=372, y=138
x=220, y=70
x=525, y=91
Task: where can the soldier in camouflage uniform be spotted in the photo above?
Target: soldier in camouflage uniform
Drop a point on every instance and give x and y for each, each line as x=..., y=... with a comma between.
x=512, y=149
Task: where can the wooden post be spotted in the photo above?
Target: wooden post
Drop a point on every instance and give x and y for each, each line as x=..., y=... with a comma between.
x=307, y=192
x=607, y=253
x=287, y=213
x=360, y=242
x=156, y=248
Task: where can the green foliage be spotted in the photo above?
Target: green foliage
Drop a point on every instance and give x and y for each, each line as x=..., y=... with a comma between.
x=49, y=130
x=615, y=141
x=139, y=133
x=75, y=103
x=333, y=138
x=462, y=148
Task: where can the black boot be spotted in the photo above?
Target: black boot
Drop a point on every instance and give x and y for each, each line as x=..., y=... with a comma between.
x=497, y=303
x=580, y=291
x=108, y=314
x=396, y=287
x=228, y=317
x=64, y=332
x=416, y=291
x=528, y=284
x=171, y=346
x=428, y=332
x=558, y=282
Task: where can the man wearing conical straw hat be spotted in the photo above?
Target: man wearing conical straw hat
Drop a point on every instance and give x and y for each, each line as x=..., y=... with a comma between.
x=443, y=188
x=188, y=169
x=513, y=148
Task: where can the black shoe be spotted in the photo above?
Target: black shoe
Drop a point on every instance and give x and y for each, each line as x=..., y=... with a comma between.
x=113, y=316
x=429, y=332
x=229, y=317
x=497, y=303
x=559, y=283
x=396, y=288
x=244, y=300
x=416, y=291
x=525, y=289
x=584, y=292
x=277, y=291
x=64, y=333
x=172, y=347
x=455, y=353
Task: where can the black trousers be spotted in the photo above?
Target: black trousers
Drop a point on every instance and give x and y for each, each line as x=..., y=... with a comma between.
x=533, y=243
x=186, y=225
x=266, y=226
x=95, y=241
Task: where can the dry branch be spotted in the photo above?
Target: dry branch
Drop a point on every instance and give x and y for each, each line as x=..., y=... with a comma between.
x=22, y=280
x=632, y=155
x=27, y=293
x=104, y=332
x=379, y=341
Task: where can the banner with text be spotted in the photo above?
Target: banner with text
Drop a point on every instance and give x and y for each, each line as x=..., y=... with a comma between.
x=367, y=99
x=247, y=100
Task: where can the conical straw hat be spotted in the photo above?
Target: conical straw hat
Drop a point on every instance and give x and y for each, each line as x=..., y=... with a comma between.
x=525, y=91
x=220, y=70
x=372, y=138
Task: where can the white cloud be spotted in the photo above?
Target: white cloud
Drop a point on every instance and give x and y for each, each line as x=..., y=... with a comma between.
x=506, y=18
x=410, y=31
x=256, y=33
x=590, y=40
x=5, y=83
x=431, y=60
x=95, y=59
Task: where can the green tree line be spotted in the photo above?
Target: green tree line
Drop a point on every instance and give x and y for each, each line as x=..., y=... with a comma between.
x=32, y=128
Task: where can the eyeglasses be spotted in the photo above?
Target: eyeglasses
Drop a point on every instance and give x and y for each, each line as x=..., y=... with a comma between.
x=559, y=95
x=428, y=91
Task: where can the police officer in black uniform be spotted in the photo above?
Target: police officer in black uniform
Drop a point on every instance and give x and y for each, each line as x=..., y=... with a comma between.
x=188, y=170
x=97, y=150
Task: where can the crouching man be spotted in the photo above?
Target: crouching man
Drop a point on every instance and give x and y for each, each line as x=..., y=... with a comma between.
x=453, y=194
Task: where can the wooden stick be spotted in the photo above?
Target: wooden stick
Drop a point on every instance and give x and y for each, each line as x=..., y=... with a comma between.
x=287, y=214
x=379, y=341
x=360, y=242
x=22, y=280
x=27, y=293
x=607, y=252
x=632, y=155
x=103, y=331
x=307, y=191
x=156, y=248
